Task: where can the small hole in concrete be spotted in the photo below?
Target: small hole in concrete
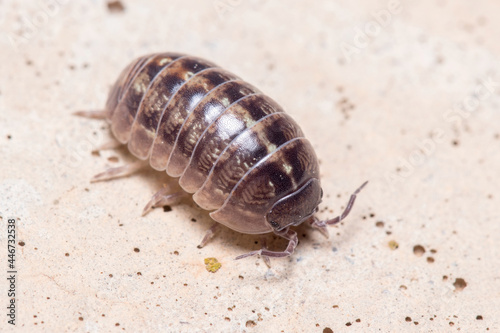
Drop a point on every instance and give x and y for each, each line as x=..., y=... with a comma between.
x=115, y=7
x=459, y=284
x=418, y=250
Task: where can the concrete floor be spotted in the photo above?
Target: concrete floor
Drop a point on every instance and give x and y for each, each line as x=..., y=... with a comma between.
x=404, y=94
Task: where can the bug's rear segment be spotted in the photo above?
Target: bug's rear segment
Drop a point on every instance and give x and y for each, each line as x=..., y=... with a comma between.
x=131, y=95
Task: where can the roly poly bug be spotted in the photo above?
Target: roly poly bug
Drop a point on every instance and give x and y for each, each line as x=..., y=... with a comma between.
x=235, y=149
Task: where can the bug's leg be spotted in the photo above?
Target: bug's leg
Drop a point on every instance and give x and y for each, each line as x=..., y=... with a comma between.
x=122, y=171
x=292, y=244
x=113, y=144
x=319, y=224
x=267, y=261
x=99, y=114
x=209, y=235
x=165, y=196
x=94, y=114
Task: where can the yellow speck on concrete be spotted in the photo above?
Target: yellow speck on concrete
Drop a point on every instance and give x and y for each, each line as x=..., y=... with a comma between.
x=393, y=245
x=212, y=264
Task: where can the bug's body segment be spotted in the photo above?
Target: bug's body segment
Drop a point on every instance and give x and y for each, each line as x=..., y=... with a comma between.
x=234, y=148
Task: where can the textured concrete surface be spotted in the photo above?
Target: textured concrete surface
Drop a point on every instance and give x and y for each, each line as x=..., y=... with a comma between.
x=403, y=94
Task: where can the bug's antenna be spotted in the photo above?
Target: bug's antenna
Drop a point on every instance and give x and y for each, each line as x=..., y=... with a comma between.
x=347, y=210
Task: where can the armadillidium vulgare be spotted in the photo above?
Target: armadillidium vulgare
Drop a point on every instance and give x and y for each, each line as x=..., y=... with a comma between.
x=232, y=147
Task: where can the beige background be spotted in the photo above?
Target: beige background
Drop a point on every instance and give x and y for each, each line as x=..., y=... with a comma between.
x=413, y=107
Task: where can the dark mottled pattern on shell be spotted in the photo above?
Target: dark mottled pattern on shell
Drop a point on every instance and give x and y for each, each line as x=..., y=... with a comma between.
x=122, y=84
x=268, y=181
x=126, y=110
x=231, y=146
x=242, y=154
x=160, y=104
x=206, y=112
x=239, y=116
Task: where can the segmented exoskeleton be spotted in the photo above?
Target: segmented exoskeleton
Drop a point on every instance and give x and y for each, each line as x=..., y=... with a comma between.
x=234, y=148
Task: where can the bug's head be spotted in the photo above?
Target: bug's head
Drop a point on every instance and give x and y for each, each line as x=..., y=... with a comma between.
x=296, y=207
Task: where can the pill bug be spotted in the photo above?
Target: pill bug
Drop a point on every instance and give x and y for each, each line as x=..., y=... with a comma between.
x=232, y=147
